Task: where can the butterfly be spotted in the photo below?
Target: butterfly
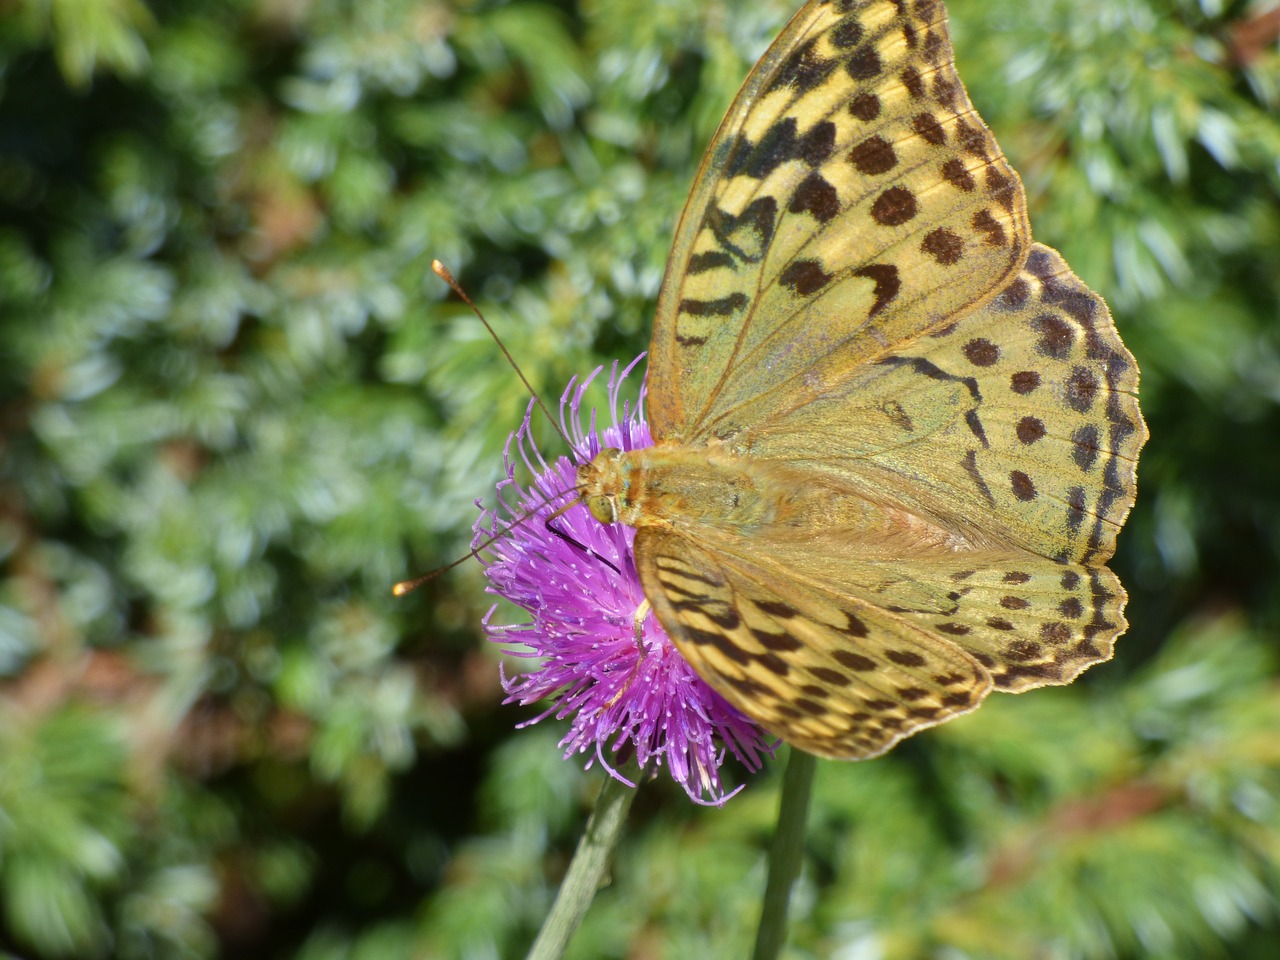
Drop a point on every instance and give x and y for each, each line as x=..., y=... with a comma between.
x=895, y=438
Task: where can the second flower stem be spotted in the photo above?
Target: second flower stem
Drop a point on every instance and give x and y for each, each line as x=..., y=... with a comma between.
x=786, y=853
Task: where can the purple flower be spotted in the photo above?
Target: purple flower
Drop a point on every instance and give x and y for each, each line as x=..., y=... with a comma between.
x=625, y=697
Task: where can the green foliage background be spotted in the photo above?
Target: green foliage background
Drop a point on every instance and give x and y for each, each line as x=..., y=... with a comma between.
x=235, y=406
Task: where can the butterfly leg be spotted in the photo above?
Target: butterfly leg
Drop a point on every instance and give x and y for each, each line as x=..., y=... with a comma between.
x=642, y=614
x=637, y=620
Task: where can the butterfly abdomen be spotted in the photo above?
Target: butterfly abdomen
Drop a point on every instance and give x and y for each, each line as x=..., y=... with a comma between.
x=702, y=491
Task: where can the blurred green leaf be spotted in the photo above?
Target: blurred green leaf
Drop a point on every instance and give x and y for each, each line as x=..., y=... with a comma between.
x=237, y=405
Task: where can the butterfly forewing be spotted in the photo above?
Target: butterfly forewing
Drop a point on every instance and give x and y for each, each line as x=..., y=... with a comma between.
x=852, y=199
x=1017, y=424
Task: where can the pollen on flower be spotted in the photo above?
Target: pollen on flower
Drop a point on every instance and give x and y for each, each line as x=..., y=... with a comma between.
x=625, y=694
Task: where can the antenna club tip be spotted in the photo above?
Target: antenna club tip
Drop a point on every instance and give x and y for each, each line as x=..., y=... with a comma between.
x=401, y=588
x=441, y=271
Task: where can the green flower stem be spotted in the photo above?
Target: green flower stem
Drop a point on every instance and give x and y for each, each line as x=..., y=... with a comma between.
x=586, y=870
x=786, y=853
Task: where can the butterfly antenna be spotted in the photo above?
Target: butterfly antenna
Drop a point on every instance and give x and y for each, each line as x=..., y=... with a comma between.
x=407, y=586
x=443, y=273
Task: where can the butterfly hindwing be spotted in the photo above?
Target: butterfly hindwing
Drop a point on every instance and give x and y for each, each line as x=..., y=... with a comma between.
x=827, y=672
x=1029, y=621
x=851, y=198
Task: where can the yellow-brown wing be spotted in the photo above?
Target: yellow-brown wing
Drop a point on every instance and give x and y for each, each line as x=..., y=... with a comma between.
x=1028, y=620
x=826, y=671
x=847, y=299
x=843, y=655
x=1016, y=428
x=1017, y=425
x=852, y=200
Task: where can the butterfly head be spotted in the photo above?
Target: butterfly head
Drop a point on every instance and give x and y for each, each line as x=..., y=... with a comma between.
x=603, y=485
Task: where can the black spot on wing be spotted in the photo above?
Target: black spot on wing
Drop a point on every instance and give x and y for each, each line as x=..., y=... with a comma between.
x=971, y=468
x=1022, y=486
x=723, y=307
x=894, y=207
x=974, y=423
x=957, y=174
x=803, y=70
x=945, y=246
x=1030, y=429
x=833, y=677
x=865, y=64
x=927, y=368
x=777, y=642
x=993, y=232
x=905, y=658
x=747, y=235
x=981, y=352
x=805, y=277
x=1076, y=506
x=817, y=197
x=1024, y=382
x=778, y=609
x=847, y=34
x=780, y=144
x=854, y=661
x=873, y=156
x=702, y=262
x=854, y=627
x=1085, y=447
x=887, y=284
x=914, y=83
x=865, y=107
x=1081, y=389
x=927, y=126
x=1013, y=297
x=1056, y=336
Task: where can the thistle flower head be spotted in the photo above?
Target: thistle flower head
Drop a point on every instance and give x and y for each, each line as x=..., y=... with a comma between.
x=627, y=694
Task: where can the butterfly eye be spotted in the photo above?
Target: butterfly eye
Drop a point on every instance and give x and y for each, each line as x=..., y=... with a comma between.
x=604, y=509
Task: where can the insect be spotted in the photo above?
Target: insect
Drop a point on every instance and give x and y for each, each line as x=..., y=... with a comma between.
x=895, y=438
